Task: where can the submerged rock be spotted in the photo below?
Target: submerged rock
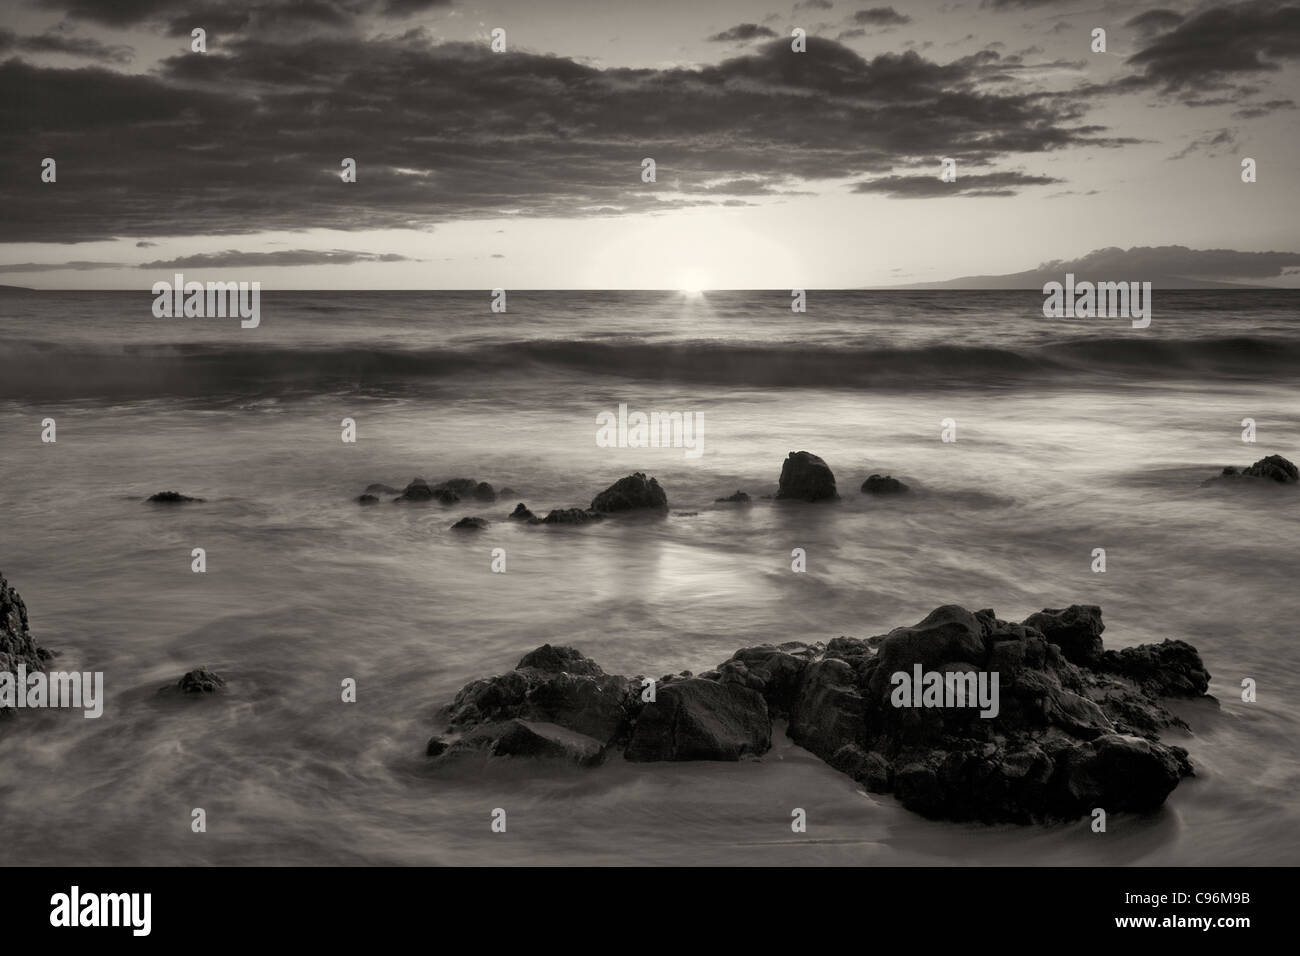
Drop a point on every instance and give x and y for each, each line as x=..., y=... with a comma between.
x=635, y=492
x=200, y=681
x=883, y=485
x=739, y=498
x=171, y=498
x=521, y=513
x=571, y=516
x=806, y=477
x=962, y=716
x=1273, y=468
x=368, y=500
x=470, y=524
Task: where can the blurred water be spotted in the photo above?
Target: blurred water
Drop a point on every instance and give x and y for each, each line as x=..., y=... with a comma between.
x=305, y=588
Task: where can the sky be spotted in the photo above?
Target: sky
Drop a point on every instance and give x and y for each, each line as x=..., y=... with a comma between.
x=479, y=169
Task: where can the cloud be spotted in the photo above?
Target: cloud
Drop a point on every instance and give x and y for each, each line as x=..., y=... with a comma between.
x=1212, y=143
x=1150, y=22
x=742, y=31
x=234, y=14
x=814, y=5
x=1255, y=110
x=76, y=266
x=234, y=259
x=252, y=139
x=931, y=186
x=1222, y=44
x=880, y=17
x=1224, y=264
x=56, y=41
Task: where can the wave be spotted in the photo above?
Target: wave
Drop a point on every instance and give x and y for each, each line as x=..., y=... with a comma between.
x=47, y=370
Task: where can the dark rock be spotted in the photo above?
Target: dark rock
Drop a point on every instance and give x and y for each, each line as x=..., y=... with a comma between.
x=1273, y=468
x=1075, y=629
x=806, y=477
x=381, y=489
x=883, y=485
x=445, y=496
x=521, y=513
x=417, y=490
x=17, y=646
x=507, y=492
x=483, y=492
x=470, y=524
x=201, y=681
x=436, y=746
x=697, y=719
x=171, y=498
x=772, y=671
x=460, y=487
x=559, y=660
x=527, y=738
x=739, y=498
x=1122, y=773
x=829, y=712
x=1168, y=669
x=632, y=493
x=571, y=516
x=368, y=500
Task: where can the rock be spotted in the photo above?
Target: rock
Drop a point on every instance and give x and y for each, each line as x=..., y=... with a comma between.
x=17, y=646
x=380, y=489
x=571, y=516
x=739, y=498
x=507, y=492
x=436, y=746
x=368, y=500
x=1168, y=669
x=698, y=719
x=1273, y=468
x=635, y=492
x=1075, y=629
x=201, y=681
x=470, y=524
x=445, y=496
x=1041, y=736
x=559, y=660
x=806, y=477
x=527, y=738
x=883, y=485
x=521, y=513
x=417, y=490
x=484, y=492
x=171, y=498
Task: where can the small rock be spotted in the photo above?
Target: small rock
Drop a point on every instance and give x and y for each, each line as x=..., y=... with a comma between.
x=571, y=516
x=368, y=500
x=470, y=524
x=739, y=498
x=883, y=485
x=806, y=477
x=632, y=493
x=171, y=498
x=201, y=681
x=521, y=513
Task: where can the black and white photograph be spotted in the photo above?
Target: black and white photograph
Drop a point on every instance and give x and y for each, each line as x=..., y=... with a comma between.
x=646, y=433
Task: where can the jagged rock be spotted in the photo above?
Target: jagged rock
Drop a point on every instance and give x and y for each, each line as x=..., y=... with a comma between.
x=738, y=498
x=697, y=719
x=17, y=646
x=806, y=477
x=1050, y=739
x=200, y=681
x=470, y=524
x=635, y=492
x=1273, y=468
x=883, y=485
x=1075, y=629
x=571, y=516
x=171, y=498
x=521, y=513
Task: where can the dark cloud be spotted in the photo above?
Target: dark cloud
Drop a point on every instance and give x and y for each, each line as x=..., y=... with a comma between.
x=1256, y=110
x=1154, y=21
x=234, y=14
x=813, y=5
x=78, y=266
x=1222, y=44
x=851, y=34
x=880, y=17
x=234, y=259
x=742, y=31
x=61, y=41
x=252, y=139
x=931, y=186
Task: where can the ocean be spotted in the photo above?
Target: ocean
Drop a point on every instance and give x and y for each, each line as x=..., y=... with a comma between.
x=1071, y=435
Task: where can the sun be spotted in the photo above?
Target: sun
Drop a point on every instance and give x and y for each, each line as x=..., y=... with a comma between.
x=691, y=284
